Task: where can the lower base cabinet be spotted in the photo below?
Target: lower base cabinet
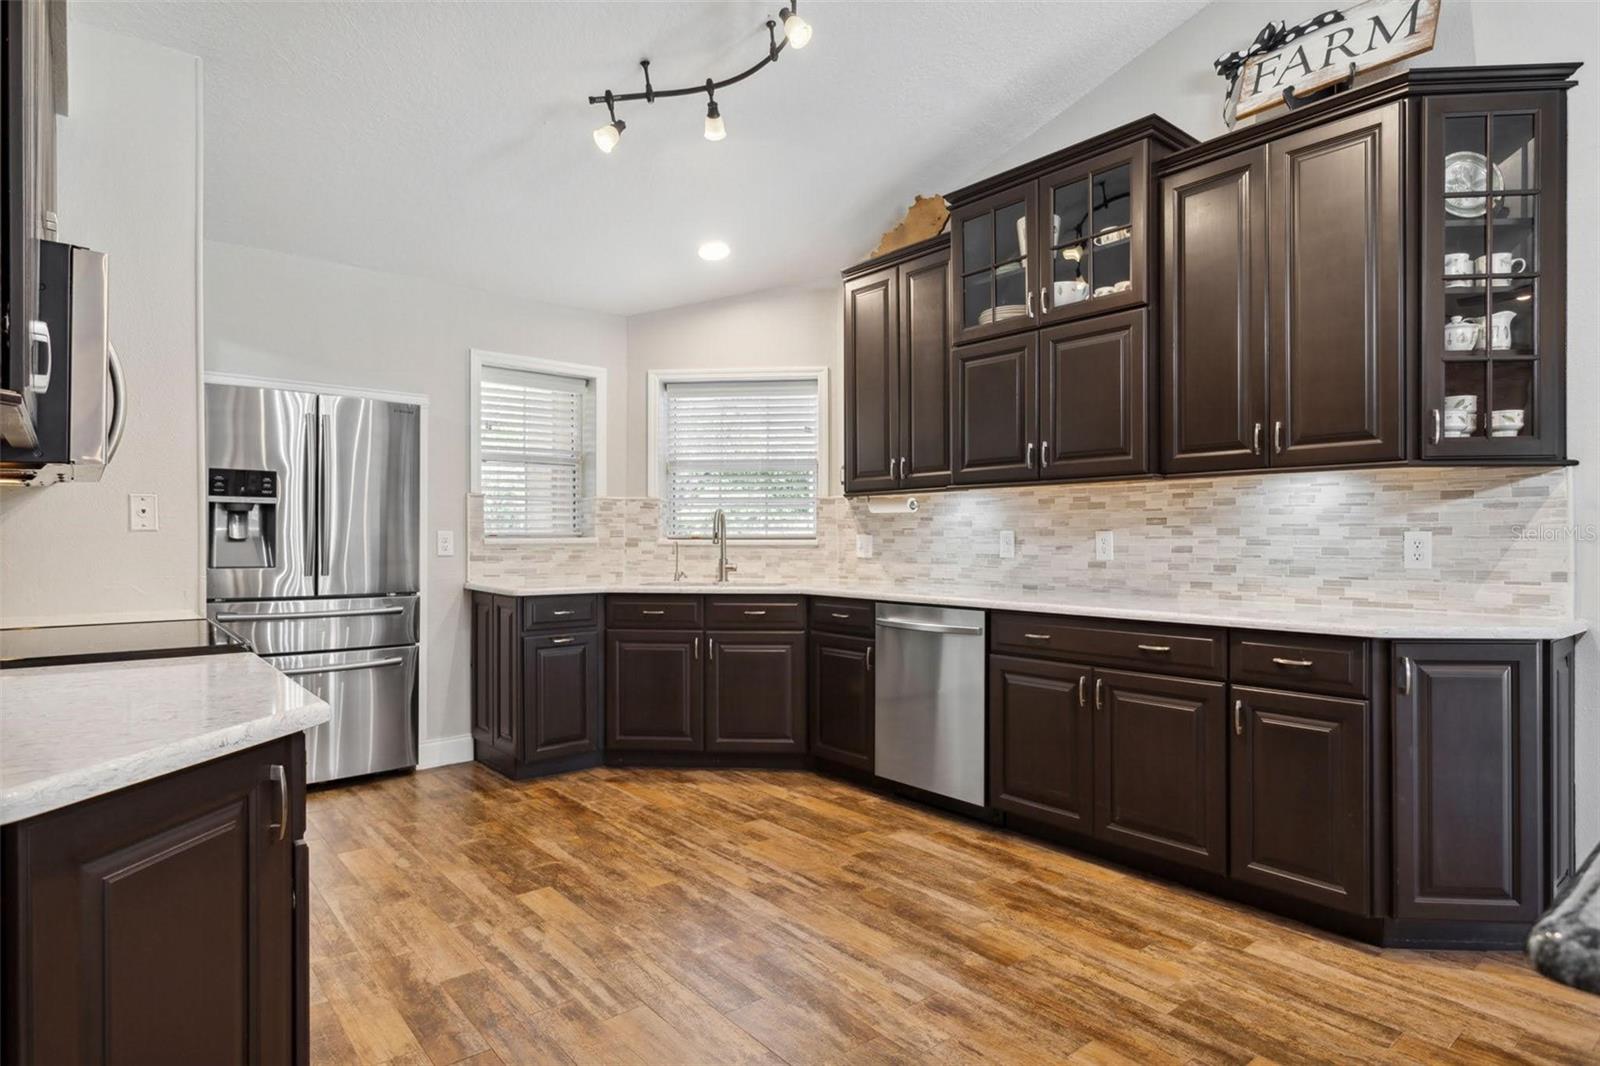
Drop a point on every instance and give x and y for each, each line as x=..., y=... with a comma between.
x=560, y=695
x=161, y=922
x=654, y=688
x=756, y=692
x=843, y=701
x=1041, y=741
x=1299, y=796
x=1162, y=786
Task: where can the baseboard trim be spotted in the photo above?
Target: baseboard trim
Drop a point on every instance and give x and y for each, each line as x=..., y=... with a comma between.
x=444, y=751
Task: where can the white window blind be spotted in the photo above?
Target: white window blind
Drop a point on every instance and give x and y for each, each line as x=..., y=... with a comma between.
x=530, y=452
x=748, y=447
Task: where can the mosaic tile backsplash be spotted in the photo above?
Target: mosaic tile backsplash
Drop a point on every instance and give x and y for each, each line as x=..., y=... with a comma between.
x=1499, y=542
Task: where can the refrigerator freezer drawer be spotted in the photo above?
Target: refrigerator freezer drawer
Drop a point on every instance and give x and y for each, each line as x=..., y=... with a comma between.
x=373, y=696
x=279, y=627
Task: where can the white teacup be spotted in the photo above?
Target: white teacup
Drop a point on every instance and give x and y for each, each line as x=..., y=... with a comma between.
x=1461, y=401
x=1508, y=418
x=1070, y=292
x=1500, y=263
x=1458, y=263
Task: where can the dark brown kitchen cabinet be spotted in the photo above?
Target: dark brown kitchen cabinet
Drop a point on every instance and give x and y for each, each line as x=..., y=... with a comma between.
x=560, y=698
x=841, y=688
x=505, y=734
x=483, y=667
x=1468, y=781
x=992, y=272
x=1095, y=212
x=1214, y=315
x=1093, y=399
x=1335, y=292
x=1493, y=292
x=755, y=692
x=996, y=421
x=654, y=690
x=1299, y=796
x=1161, y=783
x=897, y=380
x=1041, y=742
x=160, y=922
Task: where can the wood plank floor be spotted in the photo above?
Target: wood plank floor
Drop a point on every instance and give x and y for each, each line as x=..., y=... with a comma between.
x=659, y=916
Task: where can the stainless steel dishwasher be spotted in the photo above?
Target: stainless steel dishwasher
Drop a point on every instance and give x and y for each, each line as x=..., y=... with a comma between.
x=930, y=691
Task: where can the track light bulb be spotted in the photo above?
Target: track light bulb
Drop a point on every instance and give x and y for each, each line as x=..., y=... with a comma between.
x=795, y=28
x=715, y=130
x=607, y=136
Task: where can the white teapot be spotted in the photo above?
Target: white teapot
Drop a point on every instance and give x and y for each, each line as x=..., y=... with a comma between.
x=1500, y=329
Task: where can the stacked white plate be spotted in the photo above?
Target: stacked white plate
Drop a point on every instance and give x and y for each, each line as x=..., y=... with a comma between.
x=1001, y=313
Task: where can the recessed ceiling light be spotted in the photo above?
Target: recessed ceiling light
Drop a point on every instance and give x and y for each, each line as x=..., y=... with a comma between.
x=711, y=251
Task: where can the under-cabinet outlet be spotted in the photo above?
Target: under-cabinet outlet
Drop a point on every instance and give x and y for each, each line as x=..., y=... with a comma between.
x=1007, y=544
x=1418, y=549
x=863, y=545
x=1104, y=548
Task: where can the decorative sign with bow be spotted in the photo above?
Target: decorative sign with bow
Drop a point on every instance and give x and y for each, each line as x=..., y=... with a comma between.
x=1286, y=61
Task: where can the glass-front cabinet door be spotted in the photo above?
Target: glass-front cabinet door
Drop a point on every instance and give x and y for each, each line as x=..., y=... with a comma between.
x=1493, y=269
x=1091, y=222
x=992, y=291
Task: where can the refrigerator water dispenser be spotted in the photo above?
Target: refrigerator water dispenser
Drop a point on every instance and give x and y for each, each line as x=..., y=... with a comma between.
x=244, y=518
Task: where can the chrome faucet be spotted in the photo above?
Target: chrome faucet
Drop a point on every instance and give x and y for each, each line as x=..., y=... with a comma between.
x=719, y=537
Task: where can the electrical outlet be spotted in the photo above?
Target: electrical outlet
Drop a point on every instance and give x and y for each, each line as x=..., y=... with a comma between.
x=863, y=545
x=1008, y=544
x=1418, y=548
x=445, y=545
x=1104, y=548
x=142, y=514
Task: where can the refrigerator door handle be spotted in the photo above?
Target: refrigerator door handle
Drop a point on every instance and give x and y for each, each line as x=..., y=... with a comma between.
x=295, y=616
x=322, y=496
x=340, y=668
x=308, y=497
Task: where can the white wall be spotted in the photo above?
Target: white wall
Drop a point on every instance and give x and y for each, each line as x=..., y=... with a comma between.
x=129, y=185
x=779, y=328
x=290, y=318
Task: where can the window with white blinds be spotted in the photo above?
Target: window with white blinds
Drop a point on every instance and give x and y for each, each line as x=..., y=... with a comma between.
x=750, y=447
x=531, y=437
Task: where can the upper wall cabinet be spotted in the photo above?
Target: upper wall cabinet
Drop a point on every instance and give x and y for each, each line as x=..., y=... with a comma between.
x=896, y=368
x=1375, y=278
x=1059, y=238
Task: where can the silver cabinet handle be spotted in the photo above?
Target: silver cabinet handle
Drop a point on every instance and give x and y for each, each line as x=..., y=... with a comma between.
x=1238, y=718
x=1030, y=455
x=697, y=649
x=1044, y=304
x=1255, y=441
x=339, y=668
x=711, y=648
x=1159, y=649
x=559, y=614
x=1099, y=693
x=1292, y=662
x=928, y=627
x=279, y=828
x=1037, y=636
x=839, y=614
x=756, y=614
x=295, y=616
x=324, y=510
x=1405, y=675
x=563, y=640
x=1083, y=690
x=1044, y=454
x=649, y=610
x=1277, y=436
x=902, y=468
x=1029, y=302
x=1438, y=426
x=869, y=656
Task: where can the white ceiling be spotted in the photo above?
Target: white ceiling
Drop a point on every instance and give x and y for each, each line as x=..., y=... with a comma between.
x=452, y=140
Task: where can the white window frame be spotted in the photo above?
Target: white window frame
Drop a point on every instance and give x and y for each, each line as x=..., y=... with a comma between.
x=596, y=375
x=657, y=386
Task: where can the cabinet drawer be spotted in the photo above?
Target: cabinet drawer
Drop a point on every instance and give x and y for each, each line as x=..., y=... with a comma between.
x=1163, y=649
x=845, y=616
x=1335, y=665
x=755, y=612
x=557, y=610
x=667, y=612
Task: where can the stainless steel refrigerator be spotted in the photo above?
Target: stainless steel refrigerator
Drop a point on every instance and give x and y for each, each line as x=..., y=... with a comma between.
x=313, y=509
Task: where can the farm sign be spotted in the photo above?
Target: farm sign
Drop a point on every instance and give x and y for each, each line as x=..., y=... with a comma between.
x=1330, y=48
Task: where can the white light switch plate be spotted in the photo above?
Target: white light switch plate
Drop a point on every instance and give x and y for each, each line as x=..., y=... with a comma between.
x=863, y=545
x=142, y=514
x=1104, y=548
x=1418, y=548
x=446, y=543
x=1008, y=544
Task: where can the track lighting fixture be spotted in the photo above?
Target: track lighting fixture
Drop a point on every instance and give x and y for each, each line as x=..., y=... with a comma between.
x=796, y=33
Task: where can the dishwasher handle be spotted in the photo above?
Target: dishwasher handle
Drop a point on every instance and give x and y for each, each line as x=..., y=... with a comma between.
x=929, y=627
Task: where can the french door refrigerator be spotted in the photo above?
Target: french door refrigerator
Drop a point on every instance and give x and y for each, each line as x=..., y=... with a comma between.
x=312, y=558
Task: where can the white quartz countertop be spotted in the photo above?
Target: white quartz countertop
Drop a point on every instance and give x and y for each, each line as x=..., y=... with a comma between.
x=70, y=733
x=1375, y=623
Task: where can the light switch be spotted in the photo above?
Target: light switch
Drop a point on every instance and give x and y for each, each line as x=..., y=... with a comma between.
x=142, y=514
x=863, y=545
x=1104, y=547
x=446, y=543
x=1008, y=544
